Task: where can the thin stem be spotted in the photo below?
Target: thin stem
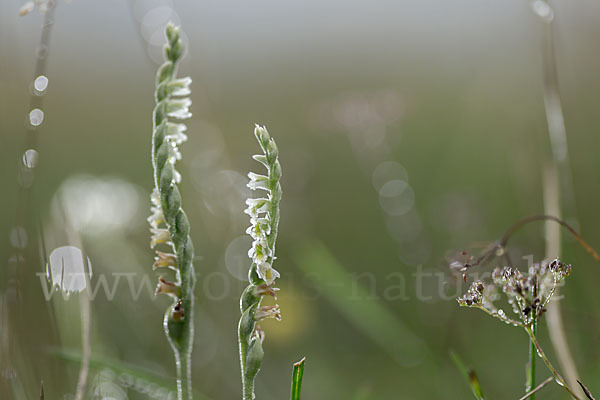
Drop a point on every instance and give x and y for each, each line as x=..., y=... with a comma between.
x=501, y=244
x=541, y=353
x=527, y=220
x=529, y=395
x=556, y=329
x=185, y=375
x=531, y=367
x=502, y=318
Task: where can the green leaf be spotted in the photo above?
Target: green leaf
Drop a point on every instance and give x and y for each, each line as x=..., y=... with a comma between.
x=469, y=375
x=297, y=379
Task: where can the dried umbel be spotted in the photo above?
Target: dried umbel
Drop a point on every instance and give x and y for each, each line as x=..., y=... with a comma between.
x=527, y=293
x=264, y=221
x=168, y=222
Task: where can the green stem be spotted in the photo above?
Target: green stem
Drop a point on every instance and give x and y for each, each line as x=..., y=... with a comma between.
x=541, y=353
x=185, y=375
x=531, y=368
x=248, y=389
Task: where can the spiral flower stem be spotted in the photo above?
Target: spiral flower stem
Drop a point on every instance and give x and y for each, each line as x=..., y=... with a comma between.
x=169, y=223
x=264, y=218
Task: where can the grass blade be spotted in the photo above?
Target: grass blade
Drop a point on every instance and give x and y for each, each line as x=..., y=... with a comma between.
x=297, y=379
x=353, y=301
x=469, y=375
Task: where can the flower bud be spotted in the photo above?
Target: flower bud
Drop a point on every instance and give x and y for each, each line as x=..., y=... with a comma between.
x=275, y=173
x=172, y=33
x=271, y=152
x=261, y=135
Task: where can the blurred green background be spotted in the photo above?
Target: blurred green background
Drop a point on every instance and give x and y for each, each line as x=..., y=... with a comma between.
x=407, y=130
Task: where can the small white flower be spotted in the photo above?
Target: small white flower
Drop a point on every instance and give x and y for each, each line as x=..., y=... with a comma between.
x=260, y=251
x=159, y=236
x=175, y=154
x=156, y=218
x=257, y=203
x=179, y=108
x=255, y=232
x=257, y=206
x=263, y=222
x=258, y=181
x=176, y=176
x=259, y=231
x=267, y=273
x=176, y=132
x=260, y=228
x=155, y=198
x=180, y=87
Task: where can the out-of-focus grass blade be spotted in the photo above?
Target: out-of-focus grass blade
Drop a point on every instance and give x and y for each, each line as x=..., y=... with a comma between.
x=469, y=375
x=139, y=373
x=297, y=379
x=588, y=394
x=369, y=316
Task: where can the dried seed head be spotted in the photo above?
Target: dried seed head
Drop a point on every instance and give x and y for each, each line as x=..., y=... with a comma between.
x=474, y=296
x=528, y=293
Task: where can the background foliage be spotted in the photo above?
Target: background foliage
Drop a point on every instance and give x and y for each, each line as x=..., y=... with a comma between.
x=452, y=91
